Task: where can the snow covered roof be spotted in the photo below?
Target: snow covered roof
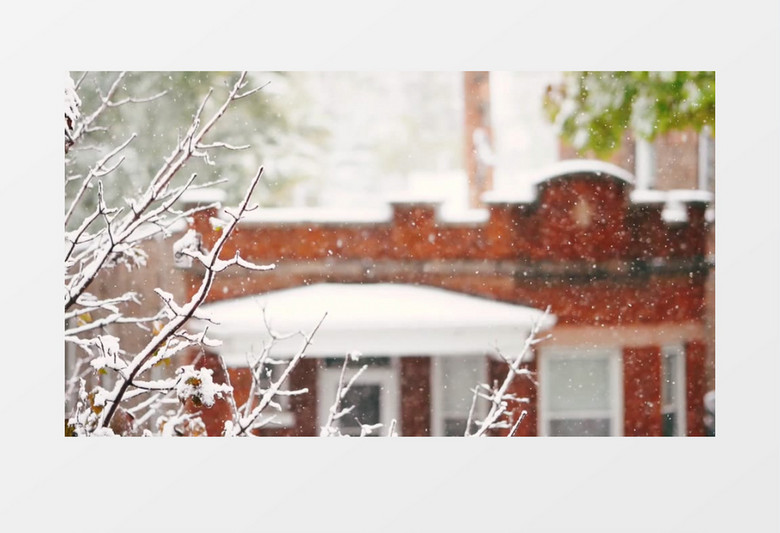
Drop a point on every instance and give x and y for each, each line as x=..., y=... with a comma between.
x=522, y=195
x=569, y=167
x=674, y=201
x=648, y=196
x=319, y=215
x=412, y=197
x=640, y=196
x=375, y=215
x=447, y=215
x=381, y=319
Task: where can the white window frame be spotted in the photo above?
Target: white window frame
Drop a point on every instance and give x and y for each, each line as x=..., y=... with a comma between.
x=645, y=164
x=680, y=409
x=438, y=413
x=614, y=357
x=706, y=155
x=384, y=376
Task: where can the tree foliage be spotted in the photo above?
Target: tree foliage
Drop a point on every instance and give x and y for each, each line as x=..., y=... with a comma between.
x=593, y=110
x=158, y=108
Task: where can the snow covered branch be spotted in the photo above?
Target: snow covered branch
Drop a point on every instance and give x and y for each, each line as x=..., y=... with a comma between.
x=330, y=429
x=119, y=235
x=250, y=419
x=109, y=236
x=498, y=396
x=77, y=125
x=338, y=410
x=181, y=313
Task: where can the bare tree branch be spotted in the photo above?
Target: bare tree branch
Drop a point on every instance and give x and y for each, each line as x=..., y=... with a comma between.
x=138, y=216
x=188, y=310
x=499, y=398
x=247, y=423
x=98, y=170
x=82, y=126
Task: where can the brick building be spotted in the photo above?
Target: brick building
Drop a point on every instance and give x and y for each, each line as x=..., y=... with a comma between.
x=623, y=270
x=428, y=296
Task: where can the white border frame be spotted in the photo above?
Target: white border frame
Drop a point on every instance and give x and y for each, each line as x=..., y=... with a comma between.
x=614, y=355
x=719, y=480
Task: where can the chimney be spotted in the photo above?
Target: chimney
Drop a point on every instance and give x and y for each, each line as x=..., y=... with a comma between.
x=478, y=140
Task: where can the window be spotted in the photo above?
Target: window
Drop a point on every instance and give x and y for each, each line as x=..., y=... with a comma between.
x=673, y=391
x=454, y=379
x=367, y=402
x=580, y=393
x=374, y=395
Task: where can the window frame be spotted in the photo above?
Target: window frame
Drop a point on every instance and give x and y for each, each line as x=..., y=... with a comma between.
x=680, y=406
x=645, y=163
x=438, y=414
x=384, y=376
x=614, y=357
x=706, y=160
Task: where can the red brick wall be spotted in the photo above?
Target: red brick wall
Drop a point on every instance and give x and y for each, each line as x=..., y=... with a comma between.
x=521, y=387
x=642, y=392
x=303, y=407
x=582, y=248
x=476, y=92
x=695, y=356
x=677, y=153
x=415, y=396
x=553, y=229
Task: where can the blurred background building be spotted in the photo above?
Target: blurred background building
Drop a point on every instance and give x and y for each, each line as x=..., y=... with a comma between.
x=459, y=181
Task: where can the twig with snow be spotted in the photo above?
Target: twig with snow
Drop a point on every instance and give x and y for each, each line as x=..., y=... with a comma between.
x=142, y=212
x=498, y=396
x=330, y=429
x=247, y=423
x=184, y=312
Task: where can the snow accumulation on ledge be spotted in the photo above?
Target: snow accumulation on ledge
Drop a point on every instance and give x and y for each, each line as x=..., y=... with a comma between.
x=579, y=166
x=375, y=319
x=450, y=213
x=570, y=167
x=674, y=202
x=319, y=215
x=378, y=215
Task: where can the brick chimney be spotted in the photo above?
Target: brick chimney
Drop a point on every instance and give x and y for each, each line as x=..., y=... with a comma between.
x=478, y=140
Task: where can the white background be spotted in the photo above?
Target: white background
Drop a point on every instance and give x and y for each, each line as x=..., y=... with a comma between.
x=727, y=483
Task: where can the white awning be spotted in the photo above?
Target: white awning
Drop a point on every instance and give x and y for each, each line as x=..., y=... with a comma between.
x=381, y=319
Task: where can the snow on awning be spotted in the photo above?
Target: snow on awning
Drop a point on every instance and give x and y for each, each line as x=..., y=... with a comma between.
x=381, y=319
